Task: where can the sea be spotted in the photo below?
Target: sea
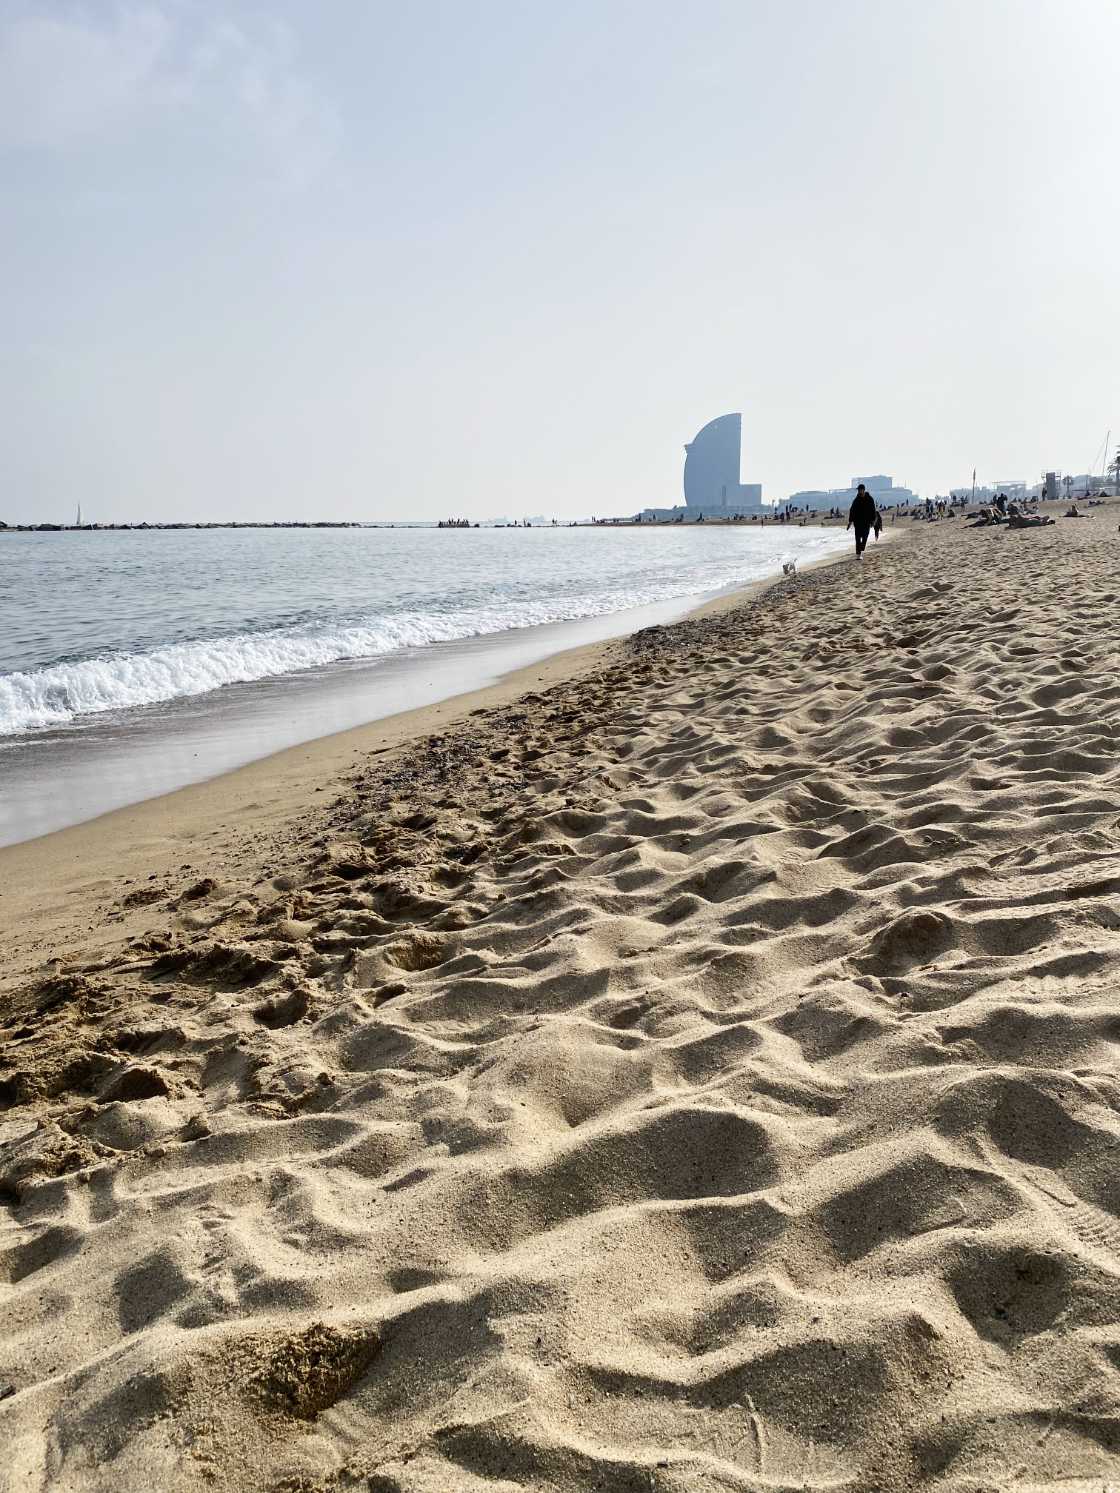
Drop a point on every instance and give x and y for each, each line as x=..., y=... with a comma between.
x=133, y=663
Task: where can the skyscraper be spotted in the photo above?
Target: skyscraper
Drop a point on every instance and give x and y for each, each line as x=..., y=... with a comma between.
x=711, y=470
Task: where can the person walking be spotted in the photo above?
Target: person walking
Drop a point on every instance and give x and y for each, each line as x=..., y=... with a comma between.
x=864, y=516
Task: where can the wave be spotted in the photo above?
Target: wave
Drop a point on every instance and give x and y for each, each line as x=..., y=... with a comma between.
x=55, y=695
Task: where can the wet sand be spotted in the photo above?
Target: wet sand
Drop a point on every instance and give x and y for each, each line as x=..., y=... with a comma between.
x=698, y=1071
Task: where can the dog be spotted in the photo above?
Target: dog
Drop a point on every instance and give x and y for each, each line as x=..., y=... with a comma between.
x=789, y=567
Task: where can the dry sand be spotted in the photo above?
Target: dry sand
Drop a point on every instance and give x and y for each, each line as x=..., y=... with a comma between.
x=698, y=1074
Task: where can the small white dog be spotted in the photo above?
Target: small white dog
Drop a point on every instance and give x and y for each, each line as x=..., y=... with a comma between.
x=789, y=567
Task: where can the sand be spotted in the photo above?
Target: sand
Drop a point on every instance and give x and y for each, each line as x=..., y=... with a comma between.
x=700, y=1072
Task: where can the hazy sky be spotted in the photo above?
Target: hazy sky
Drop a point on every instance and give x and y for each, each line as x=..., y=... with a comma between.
x=362, y=259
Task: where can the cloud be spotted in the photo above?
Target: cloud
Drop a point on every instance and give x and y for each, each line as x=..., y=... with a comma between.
x=81, y=77
x=66, y=80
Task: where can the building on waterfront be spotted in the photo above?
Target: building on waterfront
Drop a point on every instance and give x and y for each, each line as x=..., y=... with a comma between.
x=1053, y=488
x=987, y=492
x=711, y=470
x=1084, y=484
x=711, y=478
x=881, y=488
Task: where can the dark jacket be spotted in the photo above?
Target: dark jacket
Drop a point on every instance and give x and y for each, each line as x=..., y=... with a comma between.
x=862, y=513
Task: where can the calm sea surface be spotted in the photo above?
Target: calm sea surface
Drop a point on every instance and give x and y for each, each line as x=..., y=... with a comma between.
x=112, y=644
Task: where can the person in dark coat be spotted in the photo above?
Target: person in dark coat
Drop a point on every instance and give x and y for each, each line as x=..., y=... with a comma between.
x=864, y=516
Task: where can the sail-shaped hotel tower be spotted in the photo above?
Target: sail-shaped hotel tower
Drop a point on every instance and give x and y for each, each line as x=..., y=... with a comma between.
x=711, y=476
x=711, y=470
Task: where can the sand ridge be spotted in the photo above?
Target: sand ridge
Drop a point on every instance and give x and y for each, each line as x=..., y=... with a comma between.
x=699, y=1075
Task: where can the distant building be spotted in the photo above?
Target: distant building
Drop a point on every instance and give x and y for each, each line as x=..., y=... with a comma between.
x=711, y=470
x=882, y=489
x=1011, y=487
x=814, y=497
x=1083, y=484
x=711, y=477
x=880, y=484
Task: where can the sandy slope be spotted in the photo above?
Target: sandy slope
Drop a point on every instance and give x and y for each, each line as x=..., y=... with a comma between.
x=702, y=1075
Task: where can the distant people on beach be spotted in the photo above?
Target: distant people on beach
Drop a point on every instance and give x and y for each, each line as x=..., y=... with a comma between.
x=1017, y=518
x=863, y=516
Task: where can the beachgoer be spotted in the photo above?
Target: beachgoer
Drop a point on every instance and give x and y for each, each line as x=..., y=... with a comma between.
x=863, y=515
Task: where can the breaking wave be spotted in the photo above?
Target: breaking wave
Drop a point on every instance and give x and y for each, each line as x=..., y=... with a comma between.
x=55, y=695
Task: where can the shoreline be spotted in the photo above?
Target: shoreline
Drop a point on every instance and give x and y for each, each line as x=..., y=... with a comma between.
x=215, y=817
x=707, y=1058
x=173, y=735
x=335, y=691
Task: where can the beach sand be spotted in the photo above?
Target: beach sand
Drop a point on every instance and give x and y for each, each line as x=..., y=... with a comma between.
x=699, y=1072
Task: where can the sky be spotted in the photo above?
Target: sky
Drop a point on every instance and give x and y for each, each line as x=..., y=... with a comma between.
x=364, y=260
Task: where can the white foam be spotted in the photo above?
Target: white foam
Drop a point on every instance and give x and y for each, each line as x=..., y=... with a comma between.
x=60, y=693
x=54, y=696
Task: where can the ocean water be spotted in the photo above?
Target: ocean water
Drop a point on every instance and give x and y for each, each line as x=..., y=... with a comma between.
x=133, y=662
x=108, y=622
